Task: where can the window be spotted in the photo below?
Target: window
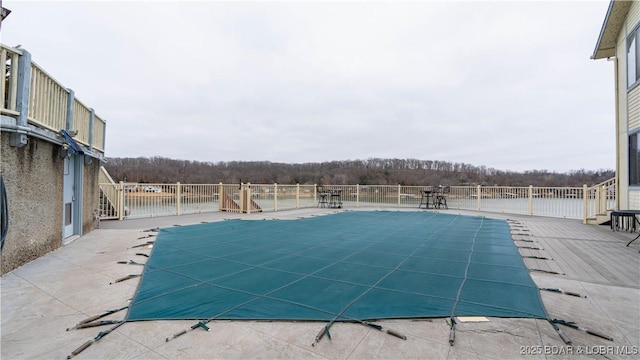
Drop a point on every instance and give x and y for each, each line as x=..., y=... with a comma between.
x=634, y=158
x=632, y=64
x=633, y=57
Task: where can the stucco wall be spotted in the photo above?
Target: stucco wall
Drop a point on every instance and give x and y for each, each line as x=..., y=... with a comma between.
x=33, y=179
x=90, y=196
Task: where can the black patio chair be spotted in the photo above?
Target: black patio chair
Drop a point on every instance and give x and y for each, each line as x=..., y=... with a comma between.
x=441, y=197
x=323, y=197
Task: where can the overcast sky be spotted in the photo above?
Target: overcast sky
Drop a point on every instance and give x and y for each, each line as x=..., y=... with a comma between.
x=507, y=85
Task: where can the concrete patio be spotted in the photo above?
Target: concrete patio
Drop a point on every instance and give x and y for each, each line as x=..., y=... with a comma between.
x=42, y=299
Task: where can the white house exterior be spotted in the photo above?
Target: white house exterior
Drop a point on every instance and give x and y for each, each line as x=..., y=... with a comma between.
x=619, y=42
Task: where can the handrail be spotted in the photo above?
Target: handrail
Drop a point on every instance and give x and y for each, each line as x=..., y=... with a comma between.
x=605, y=195
x=110, y=197
x=609, y=182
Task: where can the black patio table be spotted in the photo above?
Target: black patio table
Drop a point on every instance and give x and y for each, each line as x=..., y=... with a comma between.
x=428, y=196
x=335, y=198
x=626, y=220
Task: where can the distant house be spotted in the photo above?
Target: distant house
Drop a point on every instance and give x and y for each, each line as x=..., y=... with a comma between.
x=619, y=41
x=51, y=149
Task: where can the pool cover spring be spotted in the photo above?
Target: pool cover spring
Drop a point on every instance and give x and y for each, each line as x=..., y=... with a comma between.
x=338, y=267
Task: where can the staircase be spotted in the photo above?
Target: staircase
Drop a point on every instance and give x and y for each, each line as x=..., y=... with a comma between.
x=600, y=219
x=107, y=210
x=245, y=205
x=109, y=198
x=604, y=195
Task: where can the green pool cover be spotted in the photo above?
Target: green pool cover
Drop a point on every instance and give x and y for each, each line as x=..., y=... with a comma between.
x=351, y=265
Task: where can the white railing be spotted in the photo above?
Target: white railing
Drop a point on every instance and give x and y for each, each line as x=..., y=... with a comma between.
x=48, y=101
x=9, y=87
x=110, y=196
x=149, y=200
x=605, y=196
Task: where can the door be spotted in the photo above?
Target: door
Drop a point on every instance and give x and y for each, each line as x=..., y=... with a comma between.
x=68, y=197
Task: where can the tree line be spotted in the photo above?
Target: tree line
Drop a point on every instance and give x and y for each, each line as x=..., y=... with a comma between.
x=375, y=171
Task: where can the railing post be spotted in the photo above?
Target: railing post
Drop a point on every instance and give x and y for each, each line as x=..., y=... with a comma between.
x=248, y=198
x=92, y=117
x=275, y=196
x=530, y=199
x=399, y=190
x=120, y=197
x=357, y=195
x=69, y=116
x=585, y=201
x=297, y=195
x=479, y=200
x=104, y=135
x=178, y=198
x=19, y=138
x=13, y=85
x=315, y=193
x=598, y=198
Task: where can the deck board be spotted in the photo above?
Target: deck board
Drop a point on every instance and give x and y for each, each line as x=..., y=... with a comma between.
x=582, y=252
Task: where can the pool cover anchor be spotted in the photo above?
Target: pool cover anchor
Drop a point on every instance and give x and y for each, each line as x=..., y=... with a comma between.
x=148, y=243
x=130, y=276
x=383, y=329
x=529, y=247
x=560, y=291
x=563, y=336
x=452, y=332
x=130, y=262
x=82, y=323
x=547, y=271
x=100, y=335
x=200, y=324
x=572, y=324
x=536, y=257
x=325, y=330
x=95, y=324
x=321, y=333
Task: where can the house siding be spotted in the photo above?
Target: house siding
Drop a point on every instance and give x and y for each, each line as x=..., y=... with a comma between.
x=633, y=108
x=634, y=199
x=633, y=16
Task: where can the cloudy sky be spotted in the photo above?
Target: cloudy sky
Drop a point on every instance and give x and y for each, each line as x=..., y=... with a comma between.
x=506, y=84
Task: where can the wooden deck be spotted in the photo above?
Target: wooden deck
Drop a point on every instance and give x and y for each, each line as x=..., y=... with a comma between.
x=588, y=253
